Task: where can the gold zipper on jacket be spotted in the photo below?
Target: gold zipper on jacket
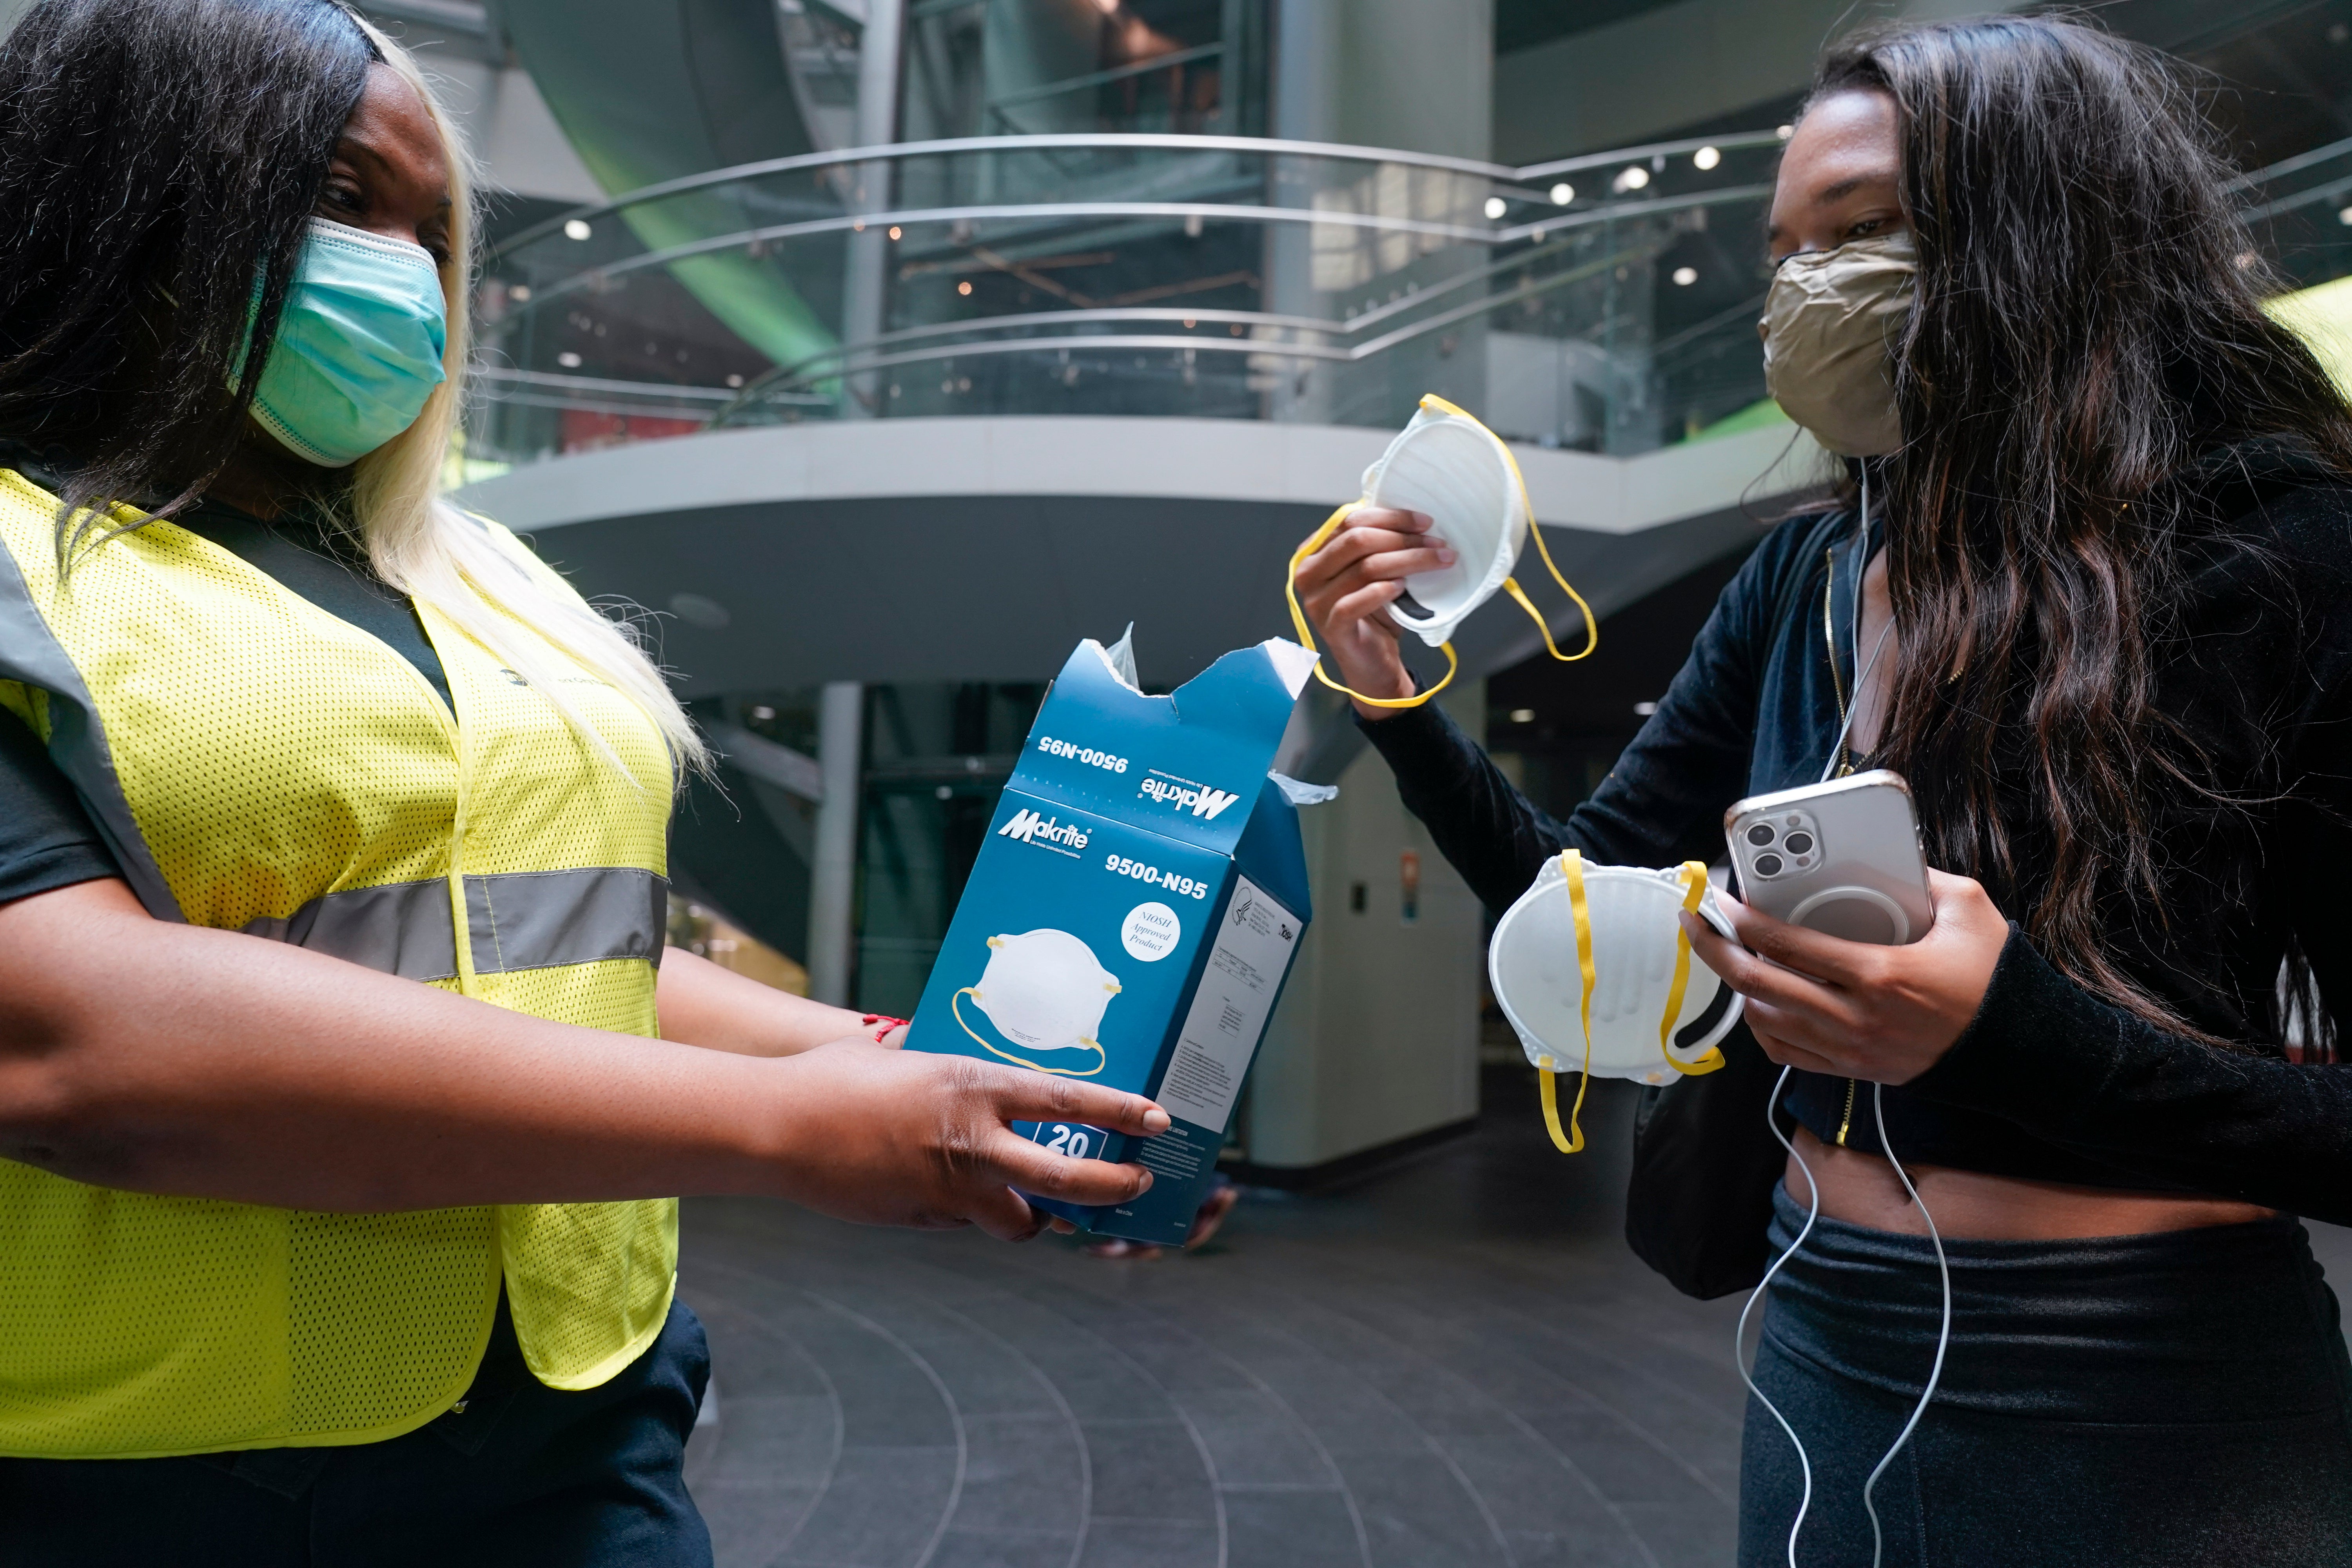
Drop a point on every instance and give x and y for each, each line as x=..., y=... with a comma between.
x=1845, y=1122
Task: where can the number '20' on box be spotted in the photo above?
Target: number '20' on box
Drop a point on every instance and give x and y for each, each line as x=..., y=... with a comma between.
x=1134, y=911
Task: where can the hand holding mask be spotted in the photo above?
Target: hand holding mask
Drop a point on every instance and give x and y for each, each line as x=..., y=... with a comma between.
x=1448, y=467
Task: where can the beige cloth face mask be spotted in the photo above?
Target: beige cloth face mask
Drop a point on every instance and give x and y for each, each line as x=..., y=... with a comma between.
x=1832, y=323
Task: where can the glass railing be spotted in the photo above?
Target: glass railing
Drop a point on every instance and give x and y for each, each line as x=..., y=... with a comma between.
x=2300, y=210
x=1605, y=302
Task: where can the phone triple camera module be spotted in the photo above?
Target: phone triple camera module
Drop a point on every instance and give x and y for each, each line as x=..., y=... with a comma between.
x=1792, y=843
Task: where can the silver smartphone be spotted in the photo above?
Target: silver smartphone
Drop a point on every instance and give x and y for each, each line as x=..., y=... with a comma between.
x=1842, y=857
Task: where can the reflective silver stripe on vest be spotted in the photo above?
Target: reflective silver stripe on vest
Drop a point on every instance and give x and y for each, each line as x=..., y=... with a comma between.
x=403, y=928
x=536, y=920
x=30, y=652
x=521, y=919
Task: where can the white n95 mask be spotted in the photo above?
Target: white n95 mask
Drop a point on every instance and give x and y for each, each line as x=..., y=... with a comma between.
x=1043, y=990
x=1594, y=971
x=1447, y=464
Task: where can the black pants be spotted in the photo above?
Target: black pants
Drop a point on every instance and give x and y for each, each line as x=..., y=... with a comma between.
x=523, y=1476
x=2148, y=1400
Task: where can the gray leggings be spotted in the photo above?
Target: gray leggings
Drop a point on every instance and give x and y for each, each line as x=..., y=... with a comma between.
x=2151, y=1400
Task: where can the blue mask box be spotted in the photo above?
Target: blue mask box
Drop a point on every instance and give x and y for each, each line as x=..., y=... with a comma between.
x=1134, y=912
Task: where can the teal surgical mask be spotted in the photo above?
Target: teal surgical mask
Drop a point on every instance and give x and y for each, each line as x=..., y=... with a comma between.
x=359, y=348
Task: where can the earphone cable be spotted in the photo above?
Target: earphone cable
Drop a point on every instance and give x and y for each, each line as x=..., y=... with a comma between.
x=1862, y=669
x=1740, y=1334
x=1861, y=570
x=1943, y=1334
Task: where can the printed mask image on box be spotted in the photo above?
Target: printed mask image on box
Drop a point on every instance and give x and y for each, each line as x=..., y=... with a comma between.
x=1135, y=909
x=1044, y=990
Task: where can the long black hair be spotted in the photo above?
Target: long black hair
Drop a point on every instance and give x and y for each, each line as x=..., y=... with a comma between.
x=2089, y=329
x=159, y=160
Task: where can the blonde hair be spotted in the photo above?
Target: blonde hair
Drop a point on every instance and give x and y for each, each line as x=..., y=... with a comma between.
x=424, y=546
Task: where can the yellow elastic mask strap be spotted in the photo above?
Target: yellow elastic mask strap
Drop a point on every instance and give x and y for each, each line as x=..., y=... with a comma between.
x=1572, y=1141
x=1510, y=585
x=1102, y=1058
x=1315, y=542
x=1693, y=888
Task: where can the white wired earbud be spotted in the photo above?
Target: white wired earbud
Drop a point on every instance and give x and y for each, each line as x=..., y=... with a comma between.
x=1740, y=1334
x=1862, y=670
x=1943, y=1334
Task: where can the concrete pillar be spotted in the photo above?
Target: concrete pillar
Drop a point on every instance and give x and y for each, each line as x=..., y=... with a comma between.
x=833, y=874
x=863, y=290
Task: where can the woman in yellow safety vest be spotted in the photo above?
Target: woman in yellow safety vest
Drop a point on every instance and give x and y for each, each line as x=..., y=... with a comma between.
x=343, y=1082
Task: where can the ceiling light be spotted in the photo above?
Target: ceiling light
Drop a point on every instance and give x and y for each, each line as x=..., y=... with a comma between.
x=1685, y=276
x=1706, y=157
x=1632, y=177
x=576, y=228
x=1644, y=710
x=1497, y=207
x=568, y=360
x=521, y=292
x=1562, y=194
x=1784, y=132
x=964, y=286
x=1523, y=715
x=894, y=231
x=2343, y=218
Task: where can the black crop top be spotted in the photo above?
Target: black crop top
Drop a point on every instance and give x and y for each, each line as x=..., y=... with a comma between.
x=2048, y=1081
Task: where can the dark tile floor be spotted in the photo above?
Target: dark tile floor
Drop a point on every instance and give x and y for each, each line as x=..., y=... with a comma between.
x=1457, y=1362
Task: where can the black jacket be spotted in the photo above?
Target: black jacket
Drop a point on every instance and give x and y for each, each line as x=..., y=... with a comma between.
x=2048, y=1081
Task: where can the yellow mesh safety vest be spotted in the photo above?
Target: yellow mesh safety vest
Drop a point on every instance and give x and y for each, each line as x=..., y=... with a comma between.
x=258, y=765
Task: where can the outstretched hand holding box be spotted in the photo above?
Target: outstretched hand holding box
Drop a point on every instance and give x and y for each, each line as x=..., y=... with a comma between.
x=1133, y=913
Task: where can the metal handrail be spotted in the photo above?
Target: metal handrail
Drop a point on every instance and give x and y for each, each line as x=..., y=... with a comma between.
x=1321, y=325
x=1157, y=63
x=852, y=361
x=2315, y=194
x=1269, y=146
x=592, y=278
x=2285, y=166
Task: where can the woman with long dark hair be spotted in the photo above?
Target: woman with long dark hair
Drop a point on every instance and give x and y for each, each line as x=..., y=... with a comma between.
x=344, y=1086
x=2105, y=630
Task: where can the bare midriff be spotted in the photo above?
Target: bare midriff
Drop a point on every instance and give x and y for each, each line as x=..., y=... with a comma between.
x=1863, y=1189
